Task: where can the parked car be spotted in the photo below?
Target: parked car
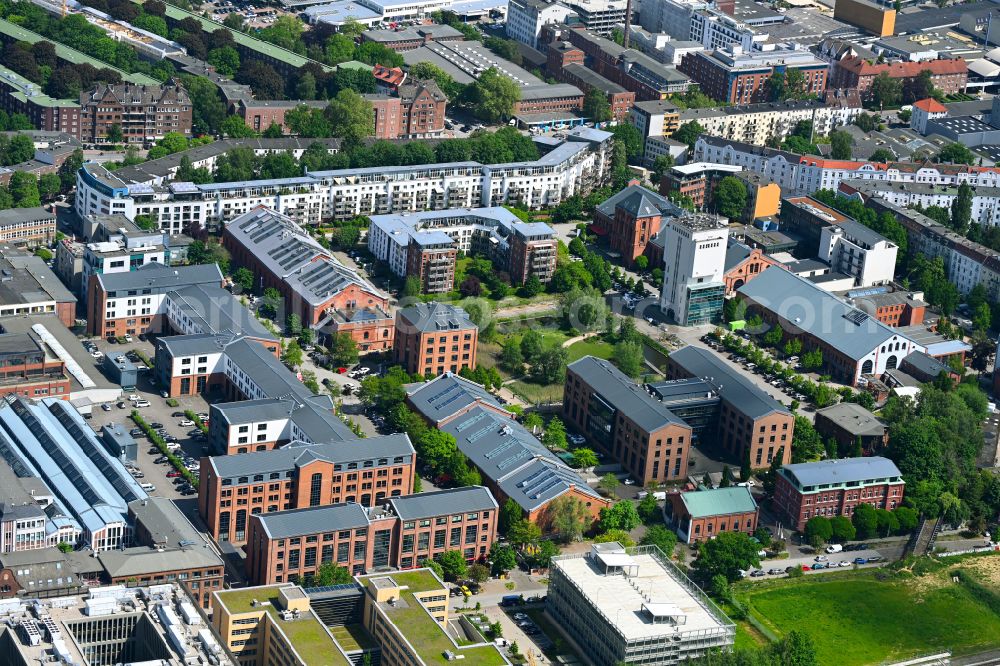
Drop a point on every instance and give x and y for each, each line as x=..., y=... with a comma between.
x=173, y=474
x=860, y=560
x=142, y=403
x=106, y=407
x=186, y=423
x=820, y=565
x=821, y=558
x=178, y=415
x=157, y=426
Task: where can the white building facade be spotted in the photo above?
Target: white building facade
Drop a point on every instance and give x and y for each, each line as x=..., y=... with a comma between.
x=694, y=256
x=525, y=19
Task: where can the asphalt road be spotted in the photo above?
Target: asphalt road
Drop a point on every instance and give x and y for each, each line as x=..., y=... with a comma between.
x=808, y=560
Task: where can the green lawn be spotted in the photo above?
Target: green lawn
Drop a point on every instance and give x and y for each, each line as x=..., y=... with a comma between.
x=855, y=619
x=589, y=347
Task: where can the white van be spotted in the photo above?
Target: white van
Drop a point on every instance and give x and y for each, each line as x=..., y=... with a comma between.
x=834, y=548
x=148, y=487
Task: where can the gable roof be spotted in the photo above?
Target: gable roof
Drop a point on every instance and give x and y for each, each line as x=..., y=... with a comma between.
x=435, y=317
x=844, y=470
x=731, y=385
x=160, y=277
x=444, y=502
x=446, y=395
x=637, y=201
x=842, y=326
x=309, y=520
x=854, y=418
x=514, y=459
x=719, y=502
x=624, y=394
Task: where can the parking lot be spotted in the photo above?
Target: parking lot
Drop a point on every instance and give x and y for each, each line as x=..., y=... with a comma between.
x=859, y=555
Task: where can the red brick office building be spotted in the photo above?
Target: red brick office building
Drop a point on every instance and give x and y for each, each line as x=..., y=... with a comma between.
x=235, y=487
x=949, y=75
x=289, y=546
x=700, y=515
x=630, y=219
x=435, y=338
x=831, y=488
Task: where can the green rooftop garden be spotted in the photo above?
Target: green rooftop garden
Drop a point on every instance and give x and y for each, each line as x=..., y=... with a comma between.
x=423, y=632
x=307, y=635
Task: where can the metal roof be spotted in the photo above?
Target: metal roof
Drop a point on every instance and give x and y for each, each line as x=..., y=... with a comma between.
x=853, y=418
x=435, y=317
x=446, y=395
x=638, y=202
x=818, y=312
x=296, y=522
x=297, y=454
x=443, y=503
x=214, y=310
x=734, y=388
x=624, y=394
x=155, y=276
x=719, y=502
x=844, y=470
x=513, y=458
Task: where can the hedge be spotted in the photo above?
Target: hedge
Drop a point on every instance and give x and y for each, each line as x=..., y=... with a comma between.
x=161, y=444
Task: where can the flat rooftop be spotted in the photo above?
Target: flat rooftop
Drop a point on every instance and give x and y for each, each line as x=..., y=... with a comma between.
x=621, y=599
x=312, y=641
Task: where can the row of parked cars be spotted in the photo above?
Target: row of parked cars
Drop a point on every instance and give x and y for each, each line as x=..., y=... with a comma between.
x=771, y=378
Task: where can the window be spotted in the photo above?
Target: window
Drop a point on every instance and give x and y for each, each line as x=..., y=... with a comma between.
x=315, y=488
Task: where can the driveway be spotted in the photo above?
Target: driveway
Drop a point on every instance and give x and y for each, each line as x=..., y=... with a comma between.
x=799, y=559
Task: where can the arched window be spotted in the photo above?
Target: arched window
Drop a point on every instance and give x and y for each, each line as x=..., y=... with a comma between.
x=890, y=363
x=866, y=368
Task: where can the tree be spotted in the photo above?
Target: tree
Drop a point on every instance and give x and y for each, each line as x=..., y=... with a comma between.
x=494, y=95
x=956, y=153
x=550, y=366
x=961, y=208
x=920, y=87
x=532, y=287
x=453, y=564
x=502, y=558
x=226, y=60
x=727, y=554
x=235, y=127
x=842, y=529
x=510, y=513
x=630, y=136
x=244, y=278
x=329, y=573
x=434, y=566
x=886, y=522
x=865, y=521
x=661, y=537
x=567, y=517
x=806, y=442
x=411, y=287
x=555, y=434
x=620, y=516
x=533, y=422
x=531, y=345
x=886, y=91
x=841, y=144
x=883, y=155
x=293, y=354
x=344, y=349
x=731, y=197
x=23, y=188
x=907, y=519
x=627, y=356
x=649, y=509
x=478, y=573
x=609, y=483
x=49, y=185
x=351, y=117
x=523, y=532
x=596, y=107
x=584, y=457
x=511, y=358
x=818, y=530
x=688, y=133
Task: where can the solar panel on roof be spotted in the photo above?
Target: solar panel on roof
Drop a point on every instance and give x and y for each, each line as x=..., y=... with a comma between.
x=471, y=422
x=856, y=317
x=522, y=454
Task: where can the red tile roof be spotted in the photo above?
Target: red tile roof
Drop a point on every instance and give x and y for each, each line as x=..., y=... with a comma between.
x=930, y=105
x=393, y=76
x=903, y=70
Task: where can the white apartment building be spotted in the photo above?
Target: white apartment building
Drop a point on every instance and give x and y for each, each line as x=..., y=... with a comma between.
x=575, y=166
x=126, y=253
x=694, y=257
x=672, y=17
x=853, y=249
x=717, y=31
x=600, y=16
x=804, y=174
x=759, y=123
x=525, y=19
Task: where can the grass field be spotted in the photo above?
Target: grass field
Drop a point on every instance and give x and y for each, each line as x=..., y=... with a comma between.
x=856, y=619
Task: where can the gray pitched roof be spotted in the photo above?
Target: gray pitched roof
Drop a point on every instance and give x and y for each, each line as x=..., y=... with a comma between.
x=445, y=502
x=731, y=385
x=637, y=201
x=624, y=394
x=296, y=454
x=435, y=317
x=196, y=343
x=215, y=310
x=513, y=458
x=296, y=522
x=845, y=470
x=250, y=411
x=294, y=256
x=736, y=252
x=446, y=395
x=159, y=277
x=854, y=418
x=928, y=365
x=820, y=313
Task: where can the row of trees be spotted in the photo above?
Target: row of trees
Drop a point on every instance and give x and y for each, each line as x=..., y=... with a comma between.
x=867, y=522
x=38, y=63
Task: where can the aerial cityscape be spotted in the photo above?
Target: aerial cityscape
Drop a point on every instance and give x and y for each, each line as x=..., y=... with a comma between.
x=501, y=332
